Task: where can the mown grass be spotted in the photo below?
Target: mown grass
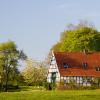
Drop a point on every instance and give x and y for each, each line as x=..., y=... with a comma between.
x=52, y=95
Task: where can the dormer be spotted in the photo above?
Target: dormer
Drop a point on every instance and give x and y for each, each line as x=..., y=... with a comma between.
x=65, y=65
x=97, y=68
x=85, y=65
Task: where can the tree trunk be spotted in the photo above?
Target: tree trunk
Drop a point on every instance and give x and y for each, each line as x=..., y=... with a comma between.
x=6, y=85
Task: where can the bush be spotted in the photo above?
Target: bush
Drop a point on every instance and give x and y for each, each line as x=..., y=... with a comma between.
x=74, y=86
x=49, y=86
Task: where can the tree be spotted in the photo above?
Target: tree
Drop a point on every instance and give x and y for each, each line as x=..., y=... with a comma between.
x=9, y=58
x=34, y=73
x=57, y=46
x=82, y=37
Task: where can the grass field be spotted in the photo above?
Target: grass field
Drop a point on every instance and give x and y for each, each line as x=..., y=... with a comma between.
x=52, y=95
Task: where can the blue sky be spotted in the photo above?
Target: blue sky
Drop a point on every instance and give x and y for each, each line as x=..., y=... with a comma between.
x=35, y=25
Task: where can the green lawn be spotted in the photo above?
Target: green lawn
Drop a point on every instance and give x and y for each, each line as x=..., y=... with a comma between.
x=52, y=95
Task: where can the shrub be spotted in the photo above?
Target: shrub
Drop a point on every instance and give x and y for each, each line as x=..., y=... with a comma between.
x=49, y=86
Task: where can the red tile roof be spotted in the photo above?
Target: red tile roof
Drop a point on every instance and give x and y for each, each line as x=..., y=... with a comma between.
x=75, y=62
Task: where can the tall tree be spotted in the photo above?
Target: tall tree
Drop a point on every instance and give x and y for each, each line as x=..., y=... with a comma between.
x=9, y=57
x=79, y=38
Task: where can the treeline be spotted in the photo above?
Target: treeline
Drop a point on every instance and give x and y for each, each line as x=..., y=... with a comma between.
x=34, y=73
x=78, y=38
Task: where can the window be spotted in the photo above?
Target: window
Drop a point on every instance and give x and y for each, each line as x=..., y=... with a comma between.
x=65, y=65
x=89, y=79
x=97, y=68
x=85, y=65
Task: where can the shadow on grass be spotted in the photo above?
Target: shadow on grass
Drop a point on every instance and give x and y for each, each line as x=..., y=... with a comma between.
x=26, y=88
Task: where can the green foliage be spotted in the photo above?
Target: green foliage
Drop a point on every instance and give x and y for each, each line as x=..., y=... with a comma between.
x=9, y=57
x=95, y=83
x=34, y=73
x=67, y=86
x=47, y=86
x=57, y=47
x=72, y=85
x=80, y=38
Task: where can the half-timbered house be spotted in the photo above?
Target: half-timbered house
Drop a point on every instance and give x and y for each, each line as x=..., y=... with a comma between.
x=80, y=67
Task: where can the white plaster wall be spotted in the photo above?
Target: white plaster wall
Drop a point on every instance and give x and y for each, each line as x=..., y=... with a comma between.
x=53, y=68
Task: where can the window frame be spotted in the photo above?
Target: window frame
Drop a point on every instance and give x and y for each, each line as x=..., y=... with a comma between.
x=65, y=65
